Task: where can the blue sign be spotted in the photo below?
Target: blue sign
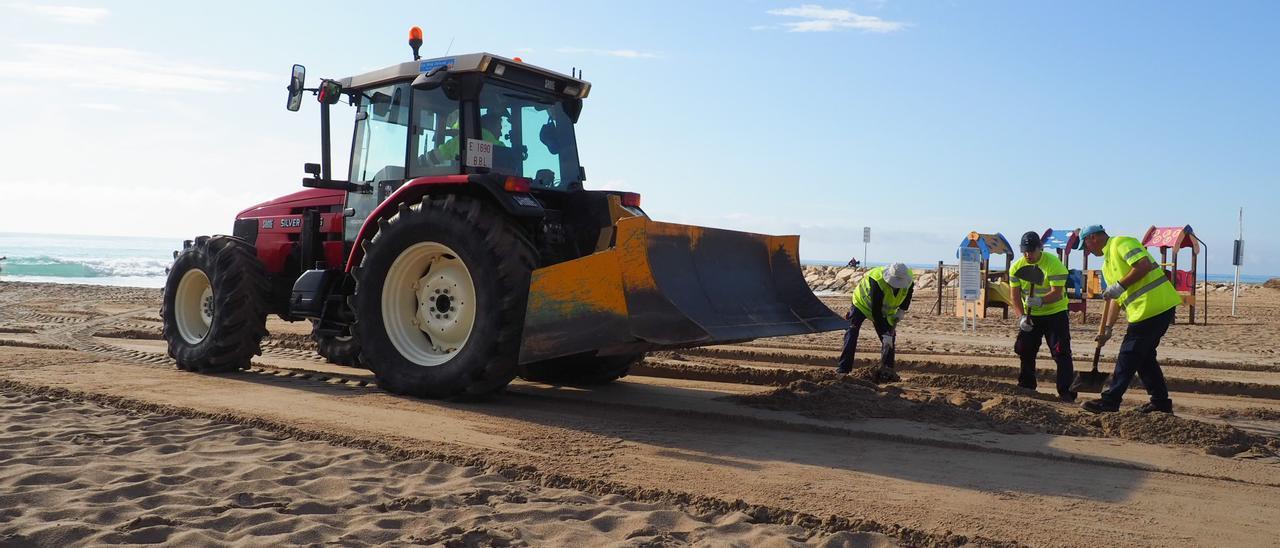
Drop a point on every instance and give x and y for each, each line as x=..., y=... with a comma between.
x=433, y=63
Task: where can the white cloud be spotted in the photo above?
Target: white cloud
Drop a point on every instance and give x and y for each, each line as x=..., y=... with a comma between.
x=815, y=18
x=624, y=53
x=106, y=107
x=120, y=69
x=759, y=27
x=73, y=15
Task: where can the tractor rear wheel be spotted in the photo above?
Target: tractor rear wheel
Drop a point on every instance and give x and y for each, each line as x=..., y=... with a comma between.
x=581, y=369
x=440, y=298
x=338, y=349
x=214, y=307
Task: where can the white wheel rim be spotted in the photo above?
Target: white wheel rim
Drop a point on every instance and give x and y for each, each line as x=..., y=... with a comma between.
x=193, y=306
x=428, y=304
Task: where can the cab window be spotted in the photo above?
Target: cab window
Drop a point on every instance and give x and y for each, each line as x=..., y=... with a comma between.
x=435, y=146
x=382, y=129
x=378, y=149
x=532, y=134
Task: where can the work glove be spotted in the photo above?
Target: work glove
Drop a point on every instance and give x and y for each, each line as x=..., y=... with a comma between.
x=887, y=340
x=1113, y=291
x=1035, y=300
x=1024, y=323
x=1103, y=337
x=899, y=316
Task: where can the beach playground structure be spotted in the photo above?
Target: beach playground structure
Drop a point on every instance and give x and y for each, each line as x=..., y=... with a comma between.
x=1082, y=284
x=1174, y=239
x=994, y=292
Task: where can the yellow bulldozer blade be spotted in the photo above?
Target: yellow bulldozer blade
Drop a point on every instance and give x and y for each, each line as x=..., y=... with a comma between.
x=664, y=286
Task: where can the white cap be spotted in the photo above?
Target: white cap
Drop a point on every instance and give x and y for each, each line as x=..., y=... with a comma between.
x=897, y=275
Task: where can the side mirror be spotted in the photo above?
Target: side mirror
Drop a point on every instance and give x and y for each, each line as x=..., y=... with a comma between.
x=431, y=79
x=296, y=82
x=312, y=170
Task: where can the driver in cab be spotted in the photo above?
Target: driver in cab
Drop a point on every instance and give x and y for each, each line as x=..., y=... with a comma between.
x=447, y=153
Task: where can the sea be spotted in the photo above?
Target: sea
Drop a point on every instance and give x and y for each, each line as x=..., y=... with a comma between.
x=96, y=260
x=142, y=262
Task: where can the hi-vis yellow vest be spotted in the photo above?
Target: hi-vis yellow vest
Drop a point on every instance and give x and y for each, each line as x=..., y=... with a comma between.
x=1055, y=275
x=1150, y=296
x=892, y=297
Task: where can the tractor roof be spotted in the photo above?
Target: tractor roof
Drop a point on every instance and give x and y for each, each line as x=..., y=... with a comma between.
x=473, y=62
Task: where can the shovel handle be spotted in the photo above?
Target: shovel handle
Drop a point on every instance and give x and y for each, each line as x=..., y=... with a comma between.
x=1108, y=317
x=1110, y=313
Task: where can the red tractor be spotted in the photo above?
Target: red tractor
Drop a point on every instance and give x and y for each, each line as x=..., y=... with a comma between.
x=462, y=250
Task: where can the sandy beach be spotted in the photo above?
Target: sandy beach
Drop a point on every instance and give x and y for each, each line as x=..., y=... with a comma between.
x=104, y=441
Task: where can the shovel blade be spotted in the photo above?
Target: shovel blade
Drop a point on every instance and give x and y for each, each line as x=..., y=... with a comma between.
x=1030, y=273
x=1089, y=381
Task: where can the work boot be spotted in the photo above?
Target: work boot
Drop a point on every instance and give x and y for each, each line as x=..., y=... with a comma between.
x=1068, y=397
x=1100, y=406
x=1153, y=407
x=840, y=371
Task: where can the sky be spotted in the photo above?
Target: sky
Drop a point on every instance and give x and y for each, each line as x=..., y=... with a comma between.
x=921, y=120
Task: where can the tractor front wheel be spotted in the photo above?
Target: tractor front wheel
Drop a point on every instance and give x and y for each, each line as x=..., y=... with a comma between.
x=440, y=298
x=214, y=307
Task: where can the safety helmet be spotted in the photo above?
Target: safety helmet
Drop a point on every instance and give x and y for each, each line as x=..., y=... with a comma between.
x=897, y=275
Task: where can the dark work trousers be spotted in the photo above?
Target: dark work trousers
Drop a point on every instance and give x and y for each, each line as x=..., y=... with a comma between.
x=1056, y=330
x=1138, y=355
x=856, y=317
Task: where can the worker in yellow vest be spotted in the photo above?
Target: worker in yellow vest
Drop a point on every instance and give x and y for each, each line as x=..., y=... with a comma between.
x=1042, y=311
x=447, y=152
x=1140, y=286
x=884, y=295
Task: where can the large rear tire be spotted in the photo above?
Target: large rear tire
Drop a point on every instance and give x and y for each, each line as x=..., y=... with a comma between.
x=440, y=298
x=581, y=369
x=214, y=307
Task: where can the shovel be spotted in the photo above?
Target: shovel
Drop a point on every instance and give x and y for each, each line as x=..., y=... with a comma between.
x=1094, y=381
x=1033, y=275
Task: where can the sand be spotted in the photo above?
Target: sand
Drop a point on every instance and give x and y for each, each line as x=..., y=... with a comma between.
x=103, y=441
x=79, y=473
x=1003, y=408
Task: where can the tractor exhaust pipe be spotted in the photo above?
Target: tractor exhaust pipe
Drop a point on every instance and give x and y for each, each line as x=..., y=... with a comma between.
x=326, y=170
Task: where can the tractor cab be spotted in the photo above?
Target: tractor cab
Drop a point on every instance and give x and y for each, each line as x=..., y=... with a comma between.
x=455, y=116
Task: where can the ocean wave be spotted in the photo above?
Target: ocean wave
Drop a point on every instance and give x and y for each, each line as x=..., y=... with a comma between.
x=57, y=267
